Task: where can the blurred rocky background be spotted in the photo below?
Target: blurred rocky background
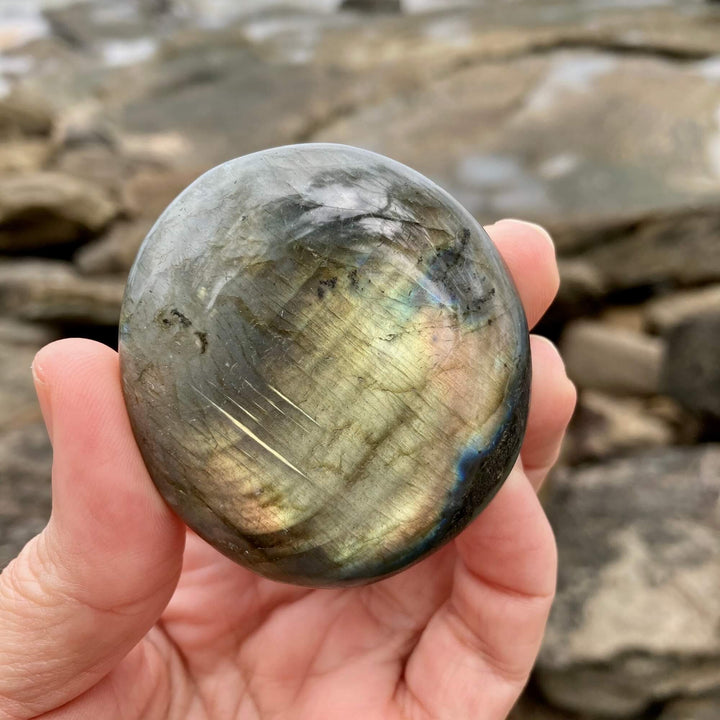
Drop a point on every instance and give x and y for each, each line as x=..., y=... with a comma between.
x=597, y=118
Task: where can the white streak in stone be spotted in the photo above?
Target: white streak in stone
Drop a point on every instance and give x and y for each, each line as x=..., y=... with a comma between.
x=272, y=404
x=290, y=402
x=236, y=403
x=251, y=434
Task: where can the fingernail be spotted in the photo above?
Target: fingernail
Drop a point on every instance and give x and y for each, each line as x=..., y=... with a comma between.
x=538, y=228
x=42, y=389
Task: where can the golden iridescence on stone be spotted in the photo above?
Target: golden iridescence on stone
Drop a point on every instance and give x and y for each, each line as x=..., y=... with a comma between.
x=325, y=363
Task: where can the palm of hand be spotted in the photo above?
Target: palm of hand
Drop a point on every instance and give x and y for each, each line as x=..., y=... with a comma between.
x=95, y=623
x=373, y=652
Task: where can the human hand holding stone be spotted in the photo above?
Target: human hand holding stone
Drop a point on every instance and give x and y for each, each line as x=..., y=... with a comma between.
x=117, y=611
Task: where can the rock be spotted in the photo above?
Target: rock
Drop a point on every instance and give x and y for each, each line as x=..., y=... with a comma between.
x=701, y=708
x=114, y=252
x=145, y=196
x=611, y=359
x=626, y=317
x=581, y=292
x=49, y=208
x=25, y=452
x=83, y=27
x=371, y=5
x=687, y=428
x=649, y=254
x=580, y=283
x=149, y=191
x=25, y=462
x=97, y=164
x=350, y=308
x=23, y=116
x=528, y=136
x=18, y=404
x=664, y=313
x=691, y=369
x=530, y=707
x=24, y=156
x=636, y=615
x=173, y=96
x=26, y=334
x=604, y=426
x=156, y=151
x=52, y=291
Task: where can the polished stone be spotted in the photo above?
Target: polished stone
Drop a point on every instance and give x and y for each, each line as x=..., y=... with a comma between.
x=325, y=363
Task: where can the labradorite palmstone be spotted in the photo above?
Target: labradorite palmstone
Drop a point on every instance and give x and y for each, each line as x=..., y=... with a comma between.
x=325, y=363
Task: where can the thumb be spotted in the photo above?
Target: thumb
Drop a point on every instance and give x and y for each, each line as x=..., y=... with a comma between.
x=85, y=591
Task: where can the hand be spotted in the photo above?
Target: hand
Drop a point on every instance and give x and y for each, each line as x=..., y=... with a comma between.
x=117, y=611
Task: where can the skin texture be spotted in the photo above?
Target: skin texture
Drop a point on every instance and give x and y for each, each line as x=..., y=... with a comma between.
x=116, y=611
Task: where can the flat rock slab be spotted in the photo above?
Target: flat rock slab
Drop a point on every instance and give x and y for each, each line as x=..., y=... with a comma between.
x=532, y=137
x=605, y=426
x=47, y=208
x=638, y=584
x=53, y=291
x=646, y=252
x=601, y=357
x=524, y=91
x=664, y=313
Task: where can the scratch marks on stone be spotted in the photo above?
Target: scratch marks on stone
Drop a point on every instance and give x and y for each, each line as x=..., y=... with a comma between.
x=247, y=431
x=236, y=403
x=290, y=402
x=272, y=404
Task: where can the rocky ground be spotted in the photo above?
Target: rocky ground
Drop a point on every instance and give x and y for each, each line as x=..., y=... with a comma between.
x=602, y=123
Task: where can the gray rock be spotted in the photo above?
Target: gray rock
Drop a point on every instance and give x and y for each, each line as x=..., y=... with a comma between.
x=649, y=253
x=25, y=462
x=610, y=359
x=581, y=293
x=145, y=196
x=701, y=708
x=580, y=283
x=604, y=426
x=528, y=136
x=18, y=404
x=338, y=284
x=371, y=5
x=26, y=334
x=211, y=71
x=664, y=313
x=691, y=369
x=50, y=291
x=637, y=611
x=49, y=208
x=114, y=252
x=97, y=165
x=524, y=113
x=25, y=453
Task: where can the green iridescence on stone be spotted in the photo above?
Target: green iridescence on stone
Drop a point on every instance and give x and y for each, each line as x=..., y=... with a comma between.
x=325, y=363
